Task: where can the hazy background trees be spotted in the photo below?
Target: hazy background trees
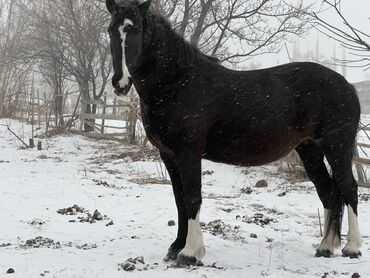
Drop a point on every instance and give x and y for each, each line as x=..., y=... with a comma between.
x=349, y=36
x=236, y=30
x=14, y=58
x=70, y=39
x=62, y=45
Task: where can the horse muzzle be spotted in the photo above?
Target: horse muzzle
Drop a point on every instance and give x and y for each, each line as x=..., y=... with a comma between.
x=123, y=91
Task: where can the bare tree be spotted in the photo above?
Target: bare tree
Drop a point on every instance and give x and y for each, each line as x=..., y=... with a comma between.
x=60, y=40
x=234, y=30
x=165, y=7
x=55, y=76
x=72, y=34
x=356, y=41
x=14, y=64
x=65, y=41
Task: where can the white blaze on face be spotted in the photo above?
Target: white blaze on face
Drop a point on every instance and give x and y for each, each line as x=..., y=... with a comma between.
x=126, y=75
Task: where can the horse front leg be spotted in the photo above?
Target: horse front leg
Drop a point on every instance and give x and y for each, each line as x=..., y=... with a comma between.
x=178, y=192
x=188, y=162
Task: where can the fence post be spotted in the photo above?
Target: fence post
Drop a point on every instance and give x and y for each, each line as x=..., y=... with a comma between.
x=74, y=111
x=134, y=120
x=45, y=104
x=104, y=110
x=33, y=105
x=131, y=120
x=38, y=106
x=115, y=106
x=48, y=115
x=82, y=113
x=359, y=168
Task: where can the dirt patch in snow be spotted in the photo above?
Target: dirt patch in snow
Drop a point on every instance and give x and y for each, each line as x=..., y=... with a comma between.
x=258, y=219
x=207, y=173
x=135, y=264
x=105, y=184
x=44, y=242
x=219, y=228
x=139, y=154
x=88, y=218
x=364, y=197
x=143, y=181
x=73, y=210
x=40, y=242
x=37, y=222
x=199, y=265
x=132, y=154
x=45, y=157
x=5, y=245
x=262, y=208
x=87, y=246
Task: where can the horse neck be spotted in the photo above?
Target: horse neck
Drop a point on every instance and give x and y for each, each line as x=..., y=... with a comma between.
x=167, y=58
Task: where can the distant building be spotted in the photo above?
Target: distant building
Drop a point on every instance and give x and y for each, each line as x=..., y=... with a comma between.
x=363, y=92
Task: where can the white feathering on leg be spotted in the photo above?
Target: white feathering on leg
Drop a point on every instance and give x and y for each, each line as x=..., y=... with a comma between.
x=194, y=246
x=331, y=239
x=354, y=238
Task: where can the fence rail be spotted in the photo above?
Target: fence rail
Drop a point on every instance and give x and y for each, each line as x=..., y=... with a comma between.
x=294, y=164
x=106, y=112
x=102, y=117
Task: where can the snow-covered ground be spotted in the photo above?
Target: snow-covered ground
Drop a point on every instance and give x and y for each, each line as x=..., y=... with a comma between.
x=248, y=231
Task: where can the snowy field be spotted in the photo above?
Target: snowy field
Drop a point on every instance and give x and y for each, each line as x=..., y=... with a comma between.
x=248, y=231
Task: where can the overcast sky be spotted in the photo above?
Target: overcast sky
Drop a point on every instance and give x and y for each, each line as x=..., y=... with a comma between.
x=357, y=13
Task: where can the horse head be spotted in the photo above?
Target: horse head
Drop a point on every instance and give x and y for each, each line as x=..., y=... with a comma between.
x=126, y=37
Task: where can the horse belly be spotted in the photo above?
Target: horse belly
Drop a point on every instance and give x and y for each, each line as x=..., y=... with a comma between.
x=251, y=152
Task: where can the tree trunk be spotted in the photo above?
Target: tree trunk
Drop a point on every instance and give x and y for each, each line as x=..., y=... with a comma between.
x=185, y=18
x=194, y=40
x=85, y=106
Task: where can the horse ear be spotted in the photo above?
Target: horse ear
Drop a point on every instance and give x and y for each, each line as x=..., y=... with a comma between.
x=111, y=5
x=144, y=7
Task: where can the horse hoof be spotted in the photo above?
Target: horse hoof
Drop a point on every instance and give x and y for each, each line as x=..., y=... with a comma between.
x=171, y=255
x=324, y=253
x=351, y=254
x=186, y=260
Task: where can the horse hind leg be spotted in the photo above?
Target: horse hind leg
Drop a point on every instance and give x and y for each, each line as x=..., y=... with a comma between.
x=333, y=215
x=329, y=194
x=354, y=238
x=340, y=160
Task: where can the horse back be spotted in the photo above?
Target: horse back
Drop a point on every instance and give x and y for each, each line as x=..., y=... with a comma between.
x=256, y=117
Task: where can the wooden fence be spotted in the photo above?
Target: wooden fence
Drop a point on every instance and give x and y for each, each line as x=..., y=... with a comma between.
x=113, y=117
x=295, y=165
x=36, y=108
x=126, y=112
x=362, y=163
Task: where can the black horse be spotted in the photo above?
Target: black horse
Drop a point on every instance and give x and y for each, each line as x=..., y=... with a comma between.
x=194, y=108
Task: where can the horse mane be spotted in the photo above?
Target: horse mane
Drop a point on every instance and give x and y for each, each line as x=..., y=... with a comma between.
x=159, y=29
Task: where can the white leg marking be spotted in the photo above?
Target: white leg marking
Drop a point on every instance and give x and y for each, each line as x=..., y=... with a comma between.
x=126, y=75
x=326, y=220
x=194, y=246
x=354, y=238
x=331, y=241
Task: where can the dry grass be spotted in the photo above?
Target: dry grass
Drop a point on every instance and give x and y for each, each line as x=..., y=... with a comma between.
x=143, y=181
